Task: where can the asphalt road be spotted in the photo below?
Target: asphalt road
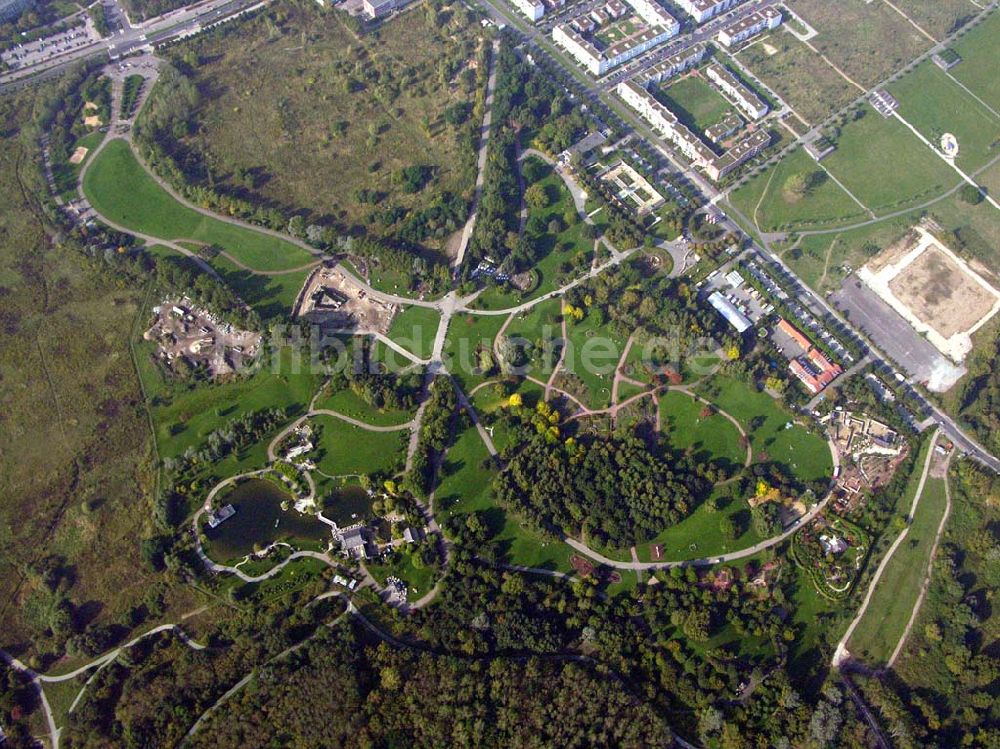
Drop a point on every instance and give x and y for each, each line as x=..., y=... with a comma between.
x=167, y=27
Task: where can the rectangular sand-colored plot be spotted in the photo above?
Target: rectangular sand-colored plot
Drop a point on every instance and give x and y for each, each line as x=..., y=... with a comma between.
x=939, y=292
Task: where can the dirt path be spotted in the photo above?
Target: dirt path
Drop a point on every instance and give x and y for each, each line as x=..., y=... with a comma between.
x=559, y=362
x=842, y=653
x=484, y=139
x=618, y=368
x=925, y=586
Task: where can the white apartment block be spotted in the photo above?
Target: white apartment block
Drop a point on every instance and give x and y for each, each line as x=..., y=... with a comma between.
x=655, y=15
x=597, y=61
x=676, y=64
x=533, y=9
x=745, y=100
x=702, y=10
x=666, y=123
x=768, y=18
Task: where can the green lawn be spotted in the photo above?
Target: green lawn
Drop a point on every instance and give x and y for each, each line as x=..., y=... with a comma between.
x=466, y=487
x=488, y=401
x=468, y=334
x=592, y=354
x=916, y=173
x=67, y=175
x=414, y=329
x=767, y=201
x=119, y=188
x=805, y=452
x=538, y=325
x=344, y=449
x=695, y=102
x=978, y=69
x=892, y=603
x=700, y=534
x=711, y=439
x=561, y=255
x=271, y=296
x=347, y=402
x=184, y=416
x=419, y=579
x=935, y=104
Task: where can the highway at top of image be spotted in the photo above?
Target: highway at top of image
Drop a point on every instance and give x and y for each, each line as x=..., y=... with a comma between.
x=165, y=28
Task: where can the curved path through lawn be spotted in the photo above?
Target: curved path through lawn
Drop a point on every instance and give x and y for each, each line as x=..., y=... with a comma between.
x=36, y=679
x=925, y=586
x=842, y=654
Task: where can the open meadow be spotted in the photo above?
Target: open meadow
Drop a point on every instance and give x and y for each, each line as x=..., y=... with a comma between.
x=119, y=188
x=76, y=456
x=866, y=41
x=798, y=75
x=374, y=130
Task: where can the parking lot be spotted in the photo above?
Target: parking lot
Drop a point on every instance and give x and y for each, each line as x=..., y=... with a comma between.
x=896, y=337
x=40, y=50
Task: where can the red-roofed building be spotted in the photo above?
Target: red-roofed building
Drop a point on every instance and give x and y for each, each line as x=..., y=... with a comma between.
x=794, y=333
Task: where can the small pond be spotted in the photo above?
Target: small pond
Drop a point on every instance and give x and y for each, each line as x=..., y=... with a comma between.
x=259, y=519
x=347, y=505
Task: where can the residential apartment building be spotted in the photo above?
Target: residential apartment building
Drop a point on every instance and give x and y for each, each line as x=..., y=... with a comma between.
x=768, y=18
x=676, y=64
x=694, y=148
x=702, y=10
x=665, y=122
x=745, y=100
x=379, y=8
x=598, y=61
x=655, y=15
x=533, y=9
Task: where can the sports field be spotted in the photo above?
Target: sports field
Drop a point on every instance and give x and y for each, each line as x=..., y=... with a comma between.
x=936, y=104
x=120, y=189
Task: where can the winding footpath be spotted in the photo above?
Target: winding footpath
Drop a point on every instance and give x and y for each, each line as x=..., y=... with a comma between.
x=928, y=575
x=842, y=654
x=37, y=680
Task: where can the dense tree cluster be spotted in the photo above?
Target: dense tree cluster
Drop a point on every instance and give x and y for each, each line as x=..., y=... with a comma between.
x=436, y=431
x=339, y=692
x=944, y=687
x=525, y=104
x=614, y=490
